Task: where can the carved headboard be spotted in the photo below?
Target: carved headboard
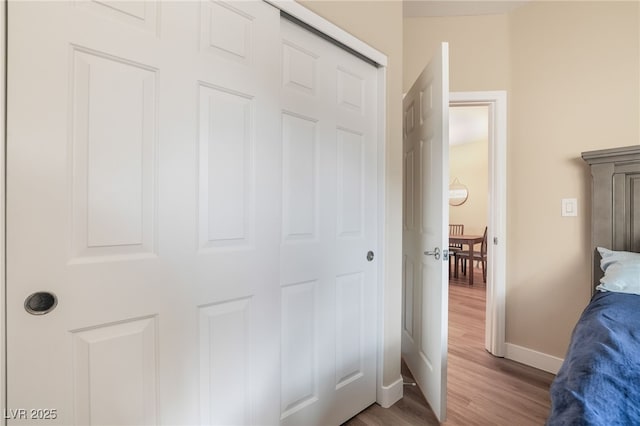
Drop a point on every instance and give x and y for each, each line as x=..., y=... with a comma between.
x=615, y=201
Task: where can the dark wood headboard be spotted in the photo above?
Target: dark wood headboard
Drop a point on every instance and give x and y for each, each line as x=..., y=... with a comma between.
x=615, y=201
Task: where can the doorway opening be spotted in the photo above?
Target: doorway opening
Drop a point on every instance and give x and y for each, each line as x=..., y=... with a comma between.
x=495, y=105
x=468, y=191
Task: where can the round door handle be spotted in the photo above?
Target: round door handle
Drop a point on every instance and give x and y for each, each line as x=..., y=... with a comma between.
x=40, y=303
x=370, y=256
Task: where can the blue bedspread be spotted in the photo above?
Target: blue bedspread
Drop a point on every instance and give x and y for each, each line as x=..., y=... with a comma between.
x=599, y=381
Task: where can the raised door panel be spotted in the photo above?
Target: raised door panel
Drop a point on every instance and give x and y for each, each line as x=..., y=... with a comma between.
x=351, y=183
x=224, y=363
x=226, y=172
x=408, y=296
x=409, y=119
x=113, y=145
x=350, y=91
x=143, y=15
x=299, y=367
x=226, y=31
x=115, y=370
x=299, y=68
x=350, y=328
x=427, y=341
x=300, y=178
x=409, y=190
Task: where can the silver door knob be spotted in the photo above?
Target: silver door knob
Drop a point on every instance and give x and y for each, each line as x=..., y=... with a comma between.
x=435, y=253
x=370, y=256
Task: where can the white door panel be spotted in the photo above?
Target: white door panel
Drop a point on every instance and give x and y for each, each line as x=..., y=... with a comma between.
x=425, y=277
x=198, y=189
x=143, y=159
x=329, y=223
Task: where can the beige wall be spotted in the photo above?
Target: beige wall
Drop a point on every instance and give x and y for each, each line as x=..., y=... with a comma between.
x=379, y=24
x=574, y=88
x=571, y=71
x=468, y=163
x=478, y=50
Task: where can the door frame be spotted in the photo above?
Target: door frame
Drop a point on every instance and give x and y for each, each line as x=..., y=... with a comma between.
x=386, y=395
x=3, y=195
x=496, y=101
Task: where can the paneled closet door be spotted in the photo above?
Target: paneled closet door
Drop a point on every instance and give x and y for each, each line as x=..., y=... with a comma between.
x=329, y=179
x=144, y=194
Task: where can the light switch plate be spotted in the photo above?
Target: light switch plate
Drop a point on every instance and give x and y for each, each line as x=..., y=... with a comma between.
x=569, y=207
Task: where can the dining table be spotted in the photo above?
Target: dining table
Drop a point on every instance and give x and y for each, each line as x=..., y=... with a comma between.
x=470, y=241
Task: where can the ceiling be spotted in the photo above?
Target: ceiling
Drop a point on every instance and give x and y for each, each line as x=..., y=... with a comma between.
x=468, y=124
x=420, y=8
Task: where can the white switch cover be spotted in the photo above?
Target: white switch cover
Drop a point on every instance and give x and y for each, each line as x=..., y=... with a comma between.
x=569, y=207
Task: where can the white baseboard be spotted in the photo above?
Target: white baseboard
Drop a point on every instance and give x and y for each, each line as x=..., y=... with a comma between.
x=533, y=358
x=389, y=395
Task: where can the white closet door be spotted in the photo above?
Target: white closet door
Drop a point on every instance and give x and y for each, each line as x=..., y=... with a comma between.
x=144, y=192
x=329, y=221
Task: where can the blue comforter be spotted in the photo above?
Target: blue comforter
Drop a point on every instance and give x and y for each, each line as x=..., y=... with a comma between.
x=599, y=381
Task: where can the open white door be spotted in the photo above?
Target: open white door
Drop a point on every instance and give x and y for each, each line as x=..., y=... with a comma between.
x=426, y=217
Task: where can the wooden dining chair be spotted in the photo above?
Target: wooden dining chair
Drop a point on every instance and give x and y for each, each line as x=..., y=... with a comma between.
x=480, y=257
x=454, y=249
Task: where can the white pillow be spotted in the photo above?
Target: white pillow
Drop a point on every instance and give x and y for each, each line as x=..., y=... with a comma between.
x=621, y=271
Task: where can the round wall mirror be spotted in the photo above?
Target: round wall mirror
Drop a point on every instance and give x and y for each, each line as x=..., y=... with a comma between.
x=458, y=193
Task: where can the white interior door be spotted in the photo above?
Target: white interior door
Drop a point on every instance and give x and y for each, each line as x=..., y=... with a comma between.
x=328, y=226
x=143, y=191
x=426, y=218
x=198, y=191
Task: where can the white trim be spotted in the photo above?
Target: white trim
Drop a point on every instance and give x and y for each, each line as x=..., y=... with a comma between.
x=496, y=253
x=382, y=394
x=533, y=358
x=389, y=395
x=3, y=257
x=319, y=23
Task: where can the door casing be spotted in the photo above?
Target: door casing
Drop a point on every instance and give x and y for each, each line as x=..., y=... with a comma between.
x=3, y=194
x=496, y=101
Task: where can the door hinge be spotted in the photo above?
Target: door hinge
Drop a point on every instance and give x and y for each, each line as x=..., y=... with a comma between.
x=495, y=241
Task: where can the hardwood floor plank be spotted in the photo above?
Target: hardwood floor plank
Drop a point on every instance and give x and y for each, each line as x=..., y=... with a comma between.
x=482, y=389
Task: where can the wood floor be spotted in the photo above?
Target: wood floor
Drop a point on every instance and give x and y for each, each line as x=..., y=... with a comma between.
x=482, y=389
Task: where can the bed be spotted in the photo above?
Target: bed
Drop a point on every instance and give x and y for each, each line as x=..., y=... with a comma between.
x=599, y=380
